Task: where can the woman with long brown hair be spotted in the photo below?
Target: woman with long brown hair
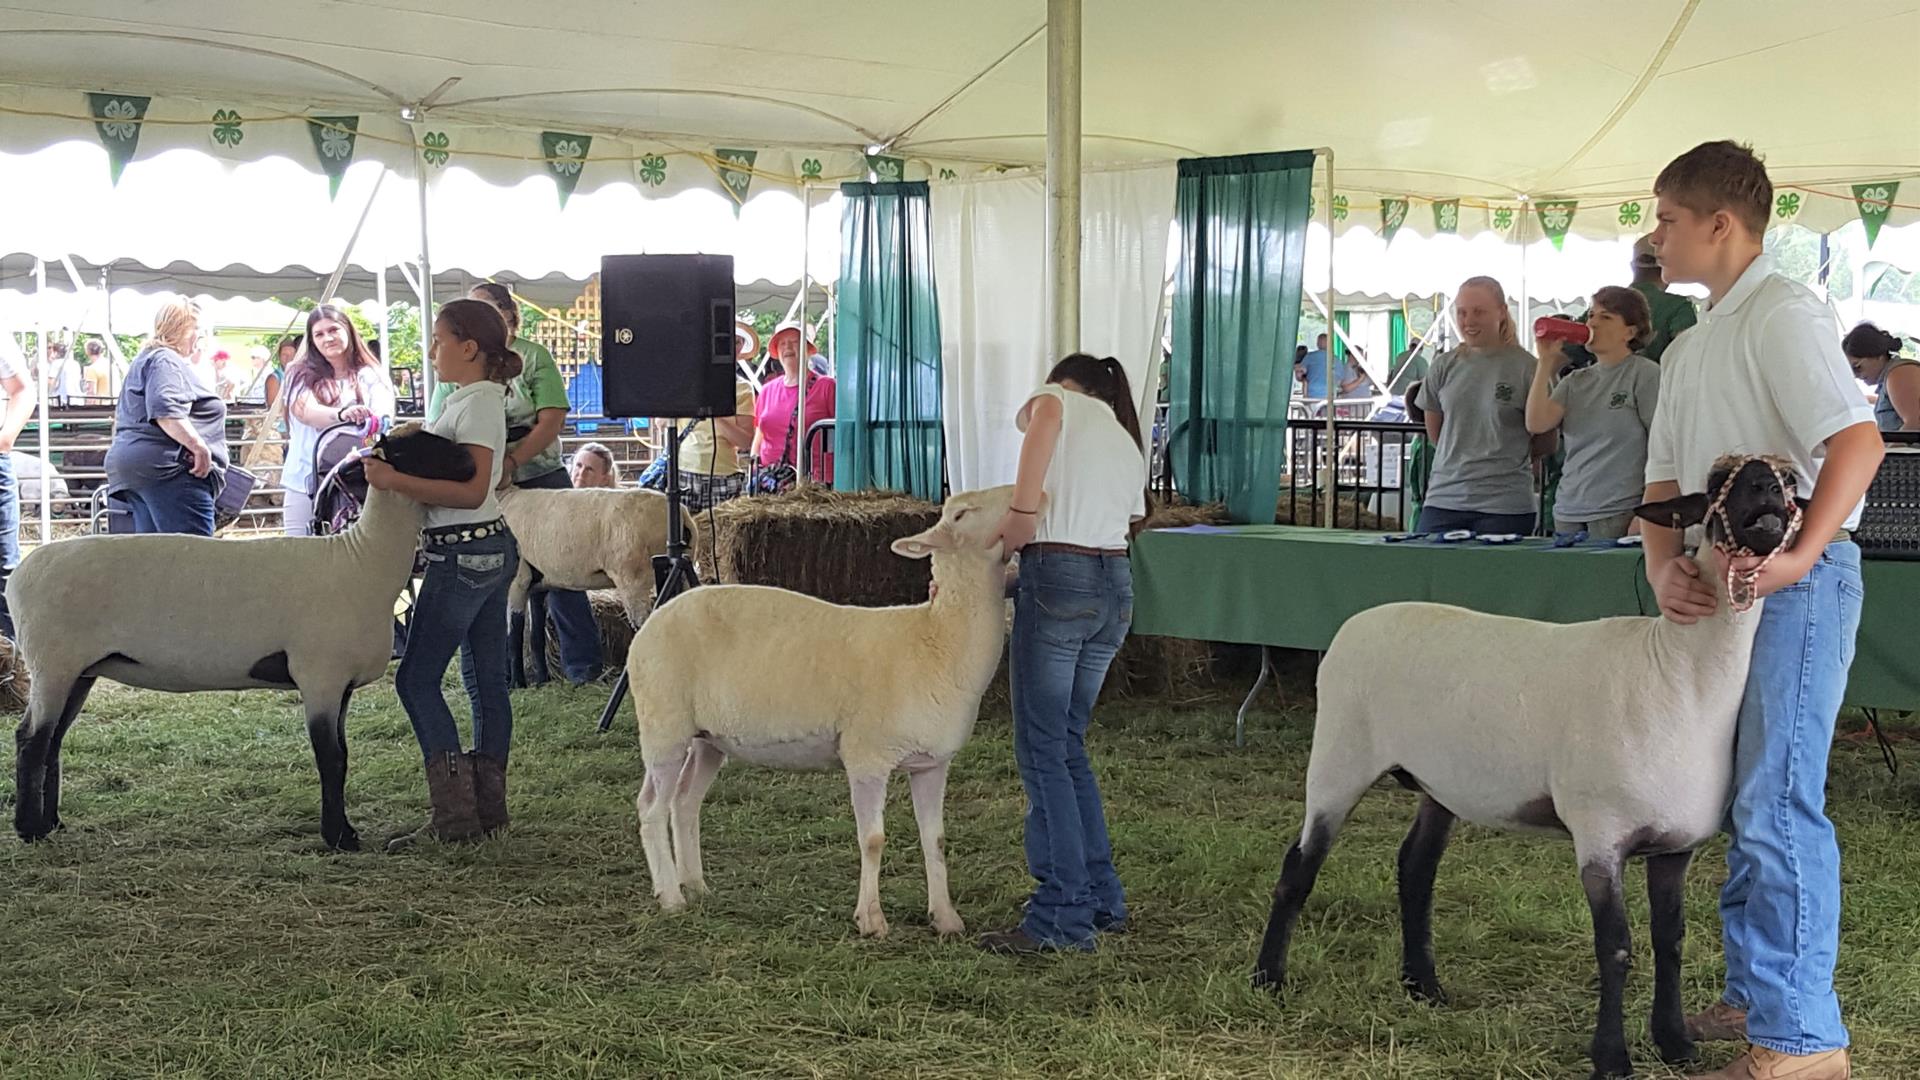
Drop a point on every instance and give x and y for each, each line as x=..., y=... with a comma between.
x=334, y=380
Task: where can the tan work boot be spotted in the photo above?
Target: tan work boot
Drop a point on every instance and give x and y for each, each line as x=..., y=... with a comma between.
x=1760, y=1063
x=1720, y=1022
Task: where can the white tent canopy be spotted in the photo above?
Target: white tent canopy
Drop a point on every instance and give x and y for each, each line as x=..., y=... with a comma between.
x=1487, y=101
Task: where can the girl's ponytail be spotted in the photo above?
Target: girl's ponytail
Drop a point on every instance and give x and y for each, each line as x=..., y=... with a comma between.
x=1106, y=380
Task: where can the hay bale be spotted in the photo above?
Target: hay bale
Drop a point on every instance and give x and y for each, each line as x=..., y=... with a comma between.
x=14, y=683
x=1301, y=511
x=835, y=545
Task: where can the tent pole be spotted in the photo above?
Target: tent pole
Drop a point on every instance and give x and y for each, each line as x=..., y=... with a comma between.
x=800, y=463
x=38, y=376
x=1063, y=174
x=1524, y=326
x=386, y=330
x=1332, y=437
x=426, y=288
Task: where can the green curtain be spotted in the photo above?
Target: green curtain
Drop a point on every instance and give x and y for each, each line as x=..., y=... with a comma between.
x=887, y=426
x=1337, y=343
x=1396, y=341
x=1236, y=312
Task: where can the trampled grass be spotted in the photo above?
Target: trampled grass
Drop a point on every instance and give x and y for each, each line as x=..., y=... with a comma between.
x=189, y=923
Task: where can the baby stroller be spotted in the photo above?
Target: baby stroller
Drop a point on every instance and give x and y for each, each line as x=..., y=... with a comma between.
x=341, y=496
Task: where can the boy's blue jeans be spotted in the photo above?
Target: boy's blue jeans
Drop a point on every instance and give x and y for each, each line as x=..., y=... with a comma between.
x=1780, y=909
x=1070, y=614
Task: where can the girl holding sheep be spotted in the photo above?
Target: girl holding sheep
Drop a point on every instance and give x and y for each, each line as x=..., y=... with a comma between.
x=471, y=558
x=1082, y=482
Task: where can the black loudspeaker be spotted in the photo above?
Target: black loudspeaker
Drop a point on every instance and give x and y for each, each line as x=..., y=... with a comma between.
x=666, y=335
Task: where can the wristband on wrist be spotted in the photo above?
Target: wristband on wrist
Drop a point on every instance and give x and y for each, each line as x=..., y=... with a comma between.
x=1017, y=510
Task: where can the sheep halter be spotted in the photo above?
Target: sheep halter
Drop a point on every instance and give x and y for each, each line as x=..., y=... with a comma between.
x=1741, y=586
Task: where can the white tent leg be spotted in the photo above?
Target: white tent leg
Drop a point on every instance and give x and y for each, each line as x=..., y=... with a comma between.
x=1332, y=447
x=1063, y=175
x=800, y=463
x=38, y=378
x=425, y=290
x=386, y=333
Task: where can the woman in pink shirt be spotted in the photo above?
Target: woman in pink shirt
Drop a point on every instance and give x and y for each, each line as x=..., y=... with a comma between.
x=774, y=409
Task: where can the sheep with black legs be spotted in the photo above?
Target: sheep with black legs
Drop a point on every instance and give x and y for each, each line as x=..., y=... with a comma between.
x=1617, y=733
x=583, y=538
x=159, y=612
x=901, y=694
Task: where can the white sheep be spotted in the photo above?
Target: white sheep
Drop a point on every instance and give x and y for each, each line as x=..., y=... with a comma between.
x=901, y=693
x=1617, y=732
x=183, y=613
x=584, y=538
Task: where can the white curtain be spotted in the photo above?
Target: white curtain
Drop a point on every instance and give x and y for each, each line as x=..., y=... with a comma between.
x=989, y=249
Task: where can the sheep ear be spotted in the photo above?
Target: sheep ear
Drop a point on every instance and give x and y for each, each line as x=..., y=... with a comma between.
x=916, y=547
x=1680, y=513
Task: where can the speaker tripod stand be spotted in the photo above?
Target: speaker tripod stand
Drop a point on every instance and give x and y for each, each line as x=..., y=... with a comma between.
x=673, y=573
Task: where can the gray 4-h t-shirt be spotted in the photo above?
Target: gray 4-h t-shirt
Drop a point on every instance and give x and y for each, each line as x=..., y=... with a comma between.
x=1609, y=412
x=1483, y=464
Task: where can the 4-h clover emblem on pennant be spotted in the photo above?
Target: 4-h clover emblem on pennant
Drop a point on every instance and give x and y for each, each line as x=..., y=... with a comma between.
x=333, y=139
x=1786, y=207
x=436, y=148
x=653, y=170
x=1393, y=214
x=1501, y=218
x=1339, y=208
x=810, y=169
x=735, y=173
x=1631, y=215
x=886, y=170
x=1875, y=202
x=1446, y=217
x=1556, y=217
x=117, y=118
x=226, y=128
x=566, y=158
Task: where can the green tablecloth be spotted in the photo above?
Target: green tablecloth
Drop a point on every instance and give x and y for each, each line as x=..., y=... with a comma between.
x=1294, y=587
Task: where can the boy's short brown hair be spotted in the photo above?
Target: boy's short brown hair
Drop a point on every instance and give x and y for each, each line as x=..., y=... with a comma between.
x=1723, y=175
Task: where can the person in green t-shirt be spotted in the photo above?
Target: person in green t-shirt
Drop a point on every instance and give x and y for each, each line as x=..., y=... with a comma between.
x=1671, y=313
x=536, y=411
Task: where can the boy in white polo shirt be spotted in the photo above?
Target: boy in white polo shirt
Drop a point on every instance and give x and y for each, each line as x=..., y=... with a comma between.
x=1762, y=374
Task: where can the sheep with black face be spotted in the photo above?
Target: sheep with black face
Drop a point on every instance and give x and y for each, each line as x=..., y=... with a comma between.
x=153, y=611
x=1627, y=749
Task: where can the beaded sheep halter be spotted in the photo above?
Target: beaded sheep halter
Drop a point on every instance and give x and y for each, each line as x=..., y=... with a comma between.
x=1741, y=585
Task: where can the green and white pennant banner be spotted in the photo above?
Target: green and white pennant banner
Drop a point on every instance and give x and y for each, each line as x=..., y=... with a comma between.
x=565, y=156
x=886, y=170
x=735, y=173
x=1503, y=219
x=117, y=118
x=1446, y=218
x=333, y=140
x=1393, y=214
x=1556, y=217
x=1875, y=203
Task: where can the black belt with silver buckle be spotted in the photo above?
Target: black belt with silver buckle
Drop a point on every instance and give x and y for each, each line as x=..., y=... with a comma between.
x=450, y=535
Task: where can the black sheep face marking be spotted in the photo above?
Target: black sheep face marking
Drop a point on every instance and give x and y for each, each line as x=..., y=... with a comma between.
x=415, y=451
x=1757, y=503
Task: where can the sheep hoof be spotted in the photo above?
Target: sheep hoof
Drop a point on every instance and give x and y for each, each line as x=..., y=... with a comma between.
x=1612, y=1072
x=1679, y=1051
x=1273, y=981
x=872, y=924
x=345, y=840
x=948, y=924
x=1425, y=991
x=695, y=888
x=672, y=903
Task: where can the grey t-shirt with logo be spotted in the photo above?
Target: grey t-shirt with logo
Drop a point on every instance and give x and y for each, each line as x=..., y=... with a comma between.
x=1484, y=464
x=1609, y=412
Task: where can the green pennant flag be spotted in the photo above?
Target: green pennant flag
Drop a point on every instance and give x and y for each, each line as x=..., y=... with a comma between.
x=1875, y=202
x=117, y=118
x=1446, y=217
x=566, y=156
x=735, y=173
x=1393, y=214
x=333, y=139
x=887, y=170
x=1501, y=219
x=1556, y=217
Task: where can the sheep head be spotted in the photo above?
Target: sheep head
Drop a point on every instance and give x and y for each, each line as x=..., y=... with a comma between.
x=970, y=522
x=1749, y=505
x=412, y=449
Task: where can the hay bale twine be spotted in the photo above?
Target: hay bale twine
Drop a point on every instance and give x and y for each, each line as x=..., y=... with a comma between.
x=835, y=545
x=14, y=682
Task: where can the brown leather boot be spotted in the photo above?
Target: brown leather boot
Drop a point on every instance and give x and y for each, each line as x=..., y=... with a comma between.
x=1719, y=1022
x=1760, y=1063
x=489, y=791
x=450, y=791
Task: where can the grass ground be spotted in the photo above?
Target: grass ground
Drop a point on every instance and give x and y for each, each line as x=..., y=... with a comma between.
x=189, y=923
